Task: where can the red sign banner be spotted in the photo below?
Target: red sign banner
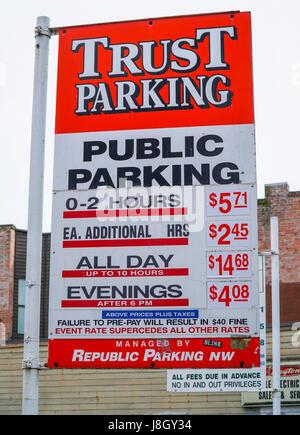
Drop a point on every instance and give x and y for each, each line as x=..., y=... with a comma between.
x=159, y=73
x=150, y=353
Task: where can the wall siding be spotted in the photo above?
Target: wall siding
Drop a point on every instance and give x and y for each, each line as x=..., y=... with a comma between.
x=116, y=392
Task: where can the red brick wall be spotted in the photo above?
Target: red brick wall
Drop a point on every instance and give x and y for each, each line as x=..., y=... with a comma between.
x=7, y=258
x=285, y=205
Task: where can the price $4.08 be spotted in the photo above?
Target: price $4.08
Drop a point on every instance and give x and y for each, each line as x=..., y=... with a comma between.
x=227, y=295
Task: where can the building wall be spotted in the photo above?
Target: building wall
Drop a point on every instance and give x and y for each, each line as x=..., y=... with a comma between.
x=19, y=274
x=279, y=201
x=7, y=258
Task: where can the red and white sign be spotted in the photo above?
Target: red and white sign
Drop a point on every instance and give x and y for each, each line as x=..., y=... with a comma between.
x=149, y=353
x=159, y=73
x=154, y=194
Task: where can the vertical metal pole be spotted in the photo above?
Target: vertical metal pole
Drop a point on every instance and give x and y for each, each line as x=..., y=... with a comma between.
x=262, y=316
x=35, y=220
x=275, y=315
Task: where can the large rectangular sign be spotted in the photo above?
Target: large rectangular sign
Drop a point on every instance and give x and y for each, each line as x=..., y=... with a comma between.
x=154, y=225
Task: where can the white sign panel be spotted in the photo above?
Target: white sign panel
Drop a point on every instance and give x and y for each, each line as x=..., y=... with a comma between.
x=158, y=157
x=127, y=248
x=217, y=380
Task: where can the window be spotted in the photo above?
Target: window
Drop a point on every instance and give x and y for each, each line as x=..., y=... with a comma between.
x=21, y=305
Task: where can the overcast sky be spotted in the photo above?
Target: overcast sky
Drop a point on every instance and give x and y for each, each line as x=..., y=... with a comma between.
x=276, y=66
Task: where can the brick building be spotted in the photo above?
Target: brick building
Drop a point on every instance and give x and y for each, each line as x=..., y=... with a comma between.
x=12, y=282
x=280, y=202
x=7, y=259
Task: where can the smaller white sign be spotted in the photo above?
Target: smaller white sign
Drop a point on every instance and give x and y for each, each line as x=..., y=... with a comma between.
x=215, y=380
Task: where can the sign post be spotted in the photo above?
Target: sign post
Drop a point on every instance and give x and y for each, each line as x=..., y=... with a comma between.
x=275, y=315
x=35, y=220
